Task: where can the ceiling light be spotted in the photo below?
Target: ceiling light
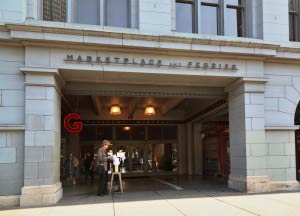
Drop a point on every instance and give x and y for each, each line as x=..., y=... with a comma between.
x=126, y=128
x=115, y=110
x=150, y=110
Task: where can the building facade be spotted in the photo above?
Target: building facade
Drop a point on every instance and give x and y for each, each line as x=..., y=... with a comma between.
x=244, y=53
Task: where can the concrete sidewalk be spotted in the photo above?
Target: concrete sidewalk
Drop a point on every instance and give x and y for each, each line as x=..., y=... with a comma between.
x=170, y=202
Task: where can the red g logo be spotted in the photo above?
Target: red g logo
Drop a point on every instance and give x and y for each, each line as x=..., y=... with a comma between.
x=76, y=127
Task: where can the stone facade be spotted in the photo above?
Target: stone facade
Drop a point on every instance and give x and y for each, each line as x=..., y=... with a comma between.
x=262, y=94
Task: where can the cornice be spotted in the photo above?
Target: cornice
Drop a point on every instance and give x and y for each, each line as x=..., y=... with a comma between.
x=55, y=34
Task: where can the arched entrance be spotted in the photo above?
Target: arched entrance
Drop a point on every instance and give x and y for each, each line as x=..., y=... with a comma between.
x=297, y=135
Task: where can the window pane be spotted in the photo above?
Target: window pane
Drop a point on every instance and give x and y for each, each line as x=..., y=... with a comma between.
x=233, y=19
x=117, y=13
x=87, y=12
x=184, y=17
x=209, y=21
x=54, y=10
x=231, y=28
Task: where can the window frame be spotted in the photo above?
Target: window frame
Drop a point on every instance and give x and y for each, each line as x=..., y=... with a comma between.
x=221, y=6
x=296, y=22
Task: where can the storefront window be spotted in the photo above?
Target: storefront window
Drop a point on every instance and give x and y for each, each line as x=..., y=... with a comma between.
x=294, y=20
x=87, y=13
x=184, y=16
x=117, y=13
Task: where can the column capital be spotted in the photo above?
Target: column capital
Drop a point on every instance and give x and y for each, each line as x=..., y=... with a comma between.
x=41, y=76
x=250, y=85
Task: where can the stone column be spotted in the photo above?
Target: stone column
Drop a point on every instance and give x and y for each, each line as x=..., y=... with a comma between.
x=182, y=166
x=42, y=184
x=247, y=136
x=198, y=150
x=190, y=147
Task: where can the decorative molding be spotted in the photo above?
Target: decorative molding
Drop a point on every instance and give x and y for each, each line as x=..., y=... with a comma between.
x=12, y=127
x=282, y=128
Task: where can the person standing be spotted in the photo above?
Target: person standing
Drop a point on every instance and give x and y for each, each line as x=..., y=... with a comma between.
x=102, y=168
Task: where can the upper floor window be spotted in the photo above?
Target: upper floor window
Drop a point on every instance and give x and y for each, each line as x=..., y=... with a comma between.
x=55, y=10
x=184, y=16
x=211, y=17
x=119, y=13
x=87, y=12
x=294, y=20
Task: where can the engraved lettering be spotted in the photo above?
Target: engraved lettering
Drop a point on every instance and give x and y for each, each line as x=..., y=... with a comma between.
x=159, y=63
x=89, y=58
x=70, y=58
x=98, y=59
x=126, y=60
x=151, y=62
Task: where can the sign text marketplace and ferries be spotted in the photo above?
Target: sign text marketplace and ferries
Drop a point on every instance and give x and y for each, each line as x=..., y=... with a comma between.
x=148, y=62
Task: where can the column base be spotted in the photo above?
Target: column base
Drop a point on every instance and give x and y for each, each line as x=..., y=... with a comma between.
x=9, y=201
x=251, y=184
x=41, y=195
x=260, y=184
x=284, y=186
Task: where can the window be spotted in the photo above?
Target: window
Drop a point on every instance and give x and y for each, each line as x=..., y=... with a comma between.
x=117, y=13
x=184, y=16
x=294, y=20
x=211, y=17
x=234, y=18
x=54, y=10
x=87, y=12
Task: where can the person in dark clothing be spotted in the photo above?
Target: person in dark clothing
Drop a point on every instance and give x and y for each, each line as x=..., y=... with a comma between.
x=88, y=167
x=102, y=168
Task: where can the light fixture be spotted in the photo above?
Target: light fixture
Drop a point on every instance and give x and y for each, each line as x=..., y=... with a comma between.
x=126, y=128
x=115, y=110
x=150, y=110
